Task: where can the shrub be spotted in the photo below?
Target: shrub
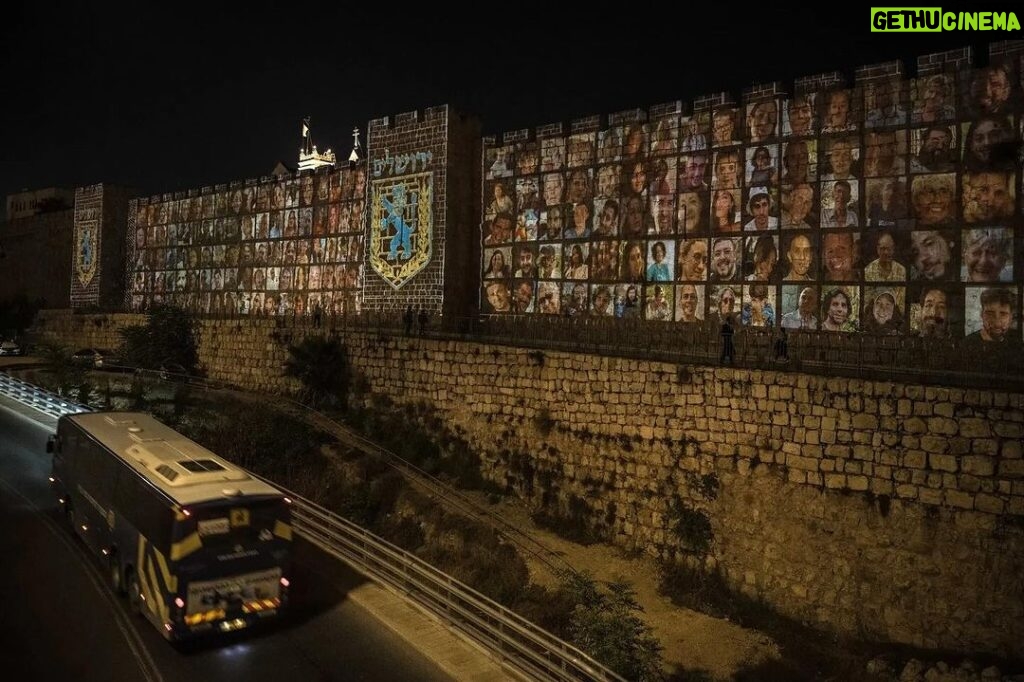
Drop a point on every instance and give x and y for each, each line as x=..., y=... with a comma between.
x=169, y=337
x=691, y=526
x=321, y=365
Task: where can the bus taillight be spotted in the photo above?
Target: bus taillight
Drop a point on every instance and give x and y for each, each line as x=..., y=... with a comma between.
x=179, y=602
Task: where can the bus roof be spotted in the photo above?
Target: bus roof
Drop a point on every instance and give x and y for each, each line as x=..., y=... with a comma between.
x=185, y=471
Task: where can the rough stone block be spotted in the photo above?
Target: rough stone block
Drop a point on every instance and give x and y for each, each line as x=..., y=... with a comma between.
x=978, y=466
x=838, y=451
x=1011, y=468
x=975, y=428
x=1008, y=429
x=985, y=446
x=942, y=462
x=942, y=426
x=864, y=453
x=922, y=409
x=989, y=504
x=803, y=463
x=908, y=491
x=934, y=444
x=914, y=459
x=858, y=483
x=881, y=486
x=955, y=498
x=835, y=481
x=809, y=450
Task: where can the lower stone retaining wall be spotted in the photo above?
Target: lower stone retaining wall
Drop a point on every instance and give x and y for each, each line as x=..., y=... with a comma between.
x=881, y=510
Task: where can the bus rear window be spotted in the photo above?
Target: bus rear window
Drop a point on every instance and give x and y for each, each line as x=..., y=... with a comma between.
x=239, y=522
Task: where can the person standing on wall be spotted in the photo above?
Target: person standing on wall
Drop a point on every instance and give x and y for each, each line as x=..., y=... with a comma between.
x=727, y=348
x=407, y=318
x=423, y=319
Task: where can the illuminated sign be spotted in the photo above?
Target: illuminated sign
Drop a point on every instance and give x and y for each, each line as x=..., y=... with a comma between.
x=933, y=19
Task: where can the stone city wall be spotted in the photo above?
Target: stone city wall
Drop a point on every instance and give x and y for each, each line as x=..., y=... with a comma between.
x=881, y=510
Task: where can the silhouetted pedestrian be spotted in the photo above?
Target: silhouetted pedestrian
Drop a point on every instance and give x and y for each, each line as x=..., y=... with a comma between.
x=727, y=348
x=782, y=347
x=408, y=319
x=424, y=318
x=318, y=314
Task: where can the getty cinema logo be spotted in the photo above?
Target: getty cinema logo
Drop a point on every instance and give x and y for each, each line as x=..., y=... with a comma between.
x=933, y=19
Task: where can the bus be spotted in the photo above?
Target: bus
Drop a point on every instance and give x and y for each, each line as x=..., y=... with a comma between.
x=198, y=545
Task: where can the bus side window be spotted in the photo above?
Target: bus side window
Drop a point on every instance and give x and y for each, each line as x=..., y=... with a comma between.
x=69, y=450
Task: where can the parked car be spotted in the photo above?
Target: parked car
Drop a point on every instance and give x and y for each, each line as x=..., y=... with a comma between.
x=172, y=371
x=11, y=348
x=91, y=357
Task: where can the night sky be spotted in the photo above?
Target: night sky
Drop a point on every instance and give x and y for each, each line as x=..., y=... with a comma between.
x=202, y=95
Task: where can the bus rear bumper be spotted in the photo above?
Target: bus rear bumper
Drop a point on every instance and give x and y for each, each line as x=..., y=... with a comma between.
x=232, y=623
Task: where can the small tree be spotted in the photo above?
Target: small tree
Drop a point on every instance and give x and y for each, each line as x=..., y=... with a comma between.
x=169, y=337
x=66, y=374
x=606, y=624
x=322, y=366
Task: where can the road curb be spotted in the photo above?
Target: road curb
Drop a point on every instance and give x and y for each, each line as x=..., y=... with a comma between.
x=453, y=654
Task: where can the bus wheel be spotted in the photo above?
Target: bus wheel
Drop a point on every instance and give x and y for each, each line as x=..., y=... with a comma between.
x=134, y=596
x=116, y=582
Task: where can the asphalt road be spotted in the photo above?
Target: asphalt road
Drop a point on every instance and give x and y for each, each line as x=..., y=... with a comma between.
x=59, y=619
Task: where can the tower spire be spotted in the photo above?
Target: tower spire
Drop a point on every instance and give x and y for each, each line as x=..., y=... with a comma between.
x=309, y=157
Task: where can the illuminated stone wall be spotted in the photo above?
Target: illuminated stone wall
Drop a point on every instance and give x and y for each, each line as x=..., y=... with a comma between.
x=880, y=510
x=37, y=258
x=877, y=509
x=373, y=235
x=420, y=207
x=277, y=246
x=97, y=248
x=889, y=207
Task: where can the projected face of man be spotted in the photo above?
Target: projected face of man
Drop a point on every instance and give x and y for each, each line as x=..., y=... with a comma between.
x=931, y=254
x=808, y=301
x=688, y=303
x=800, y=257
x=800, y=117
x=723, y=258
x=933, y=313
x=996, y=319
x=608, y=182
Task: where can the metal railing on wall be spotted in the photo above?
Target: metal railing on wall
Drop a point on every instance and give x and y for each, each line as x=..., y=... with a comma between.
x=45, y=401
